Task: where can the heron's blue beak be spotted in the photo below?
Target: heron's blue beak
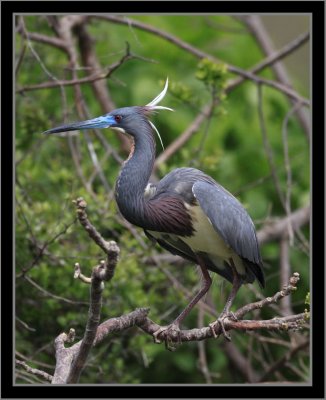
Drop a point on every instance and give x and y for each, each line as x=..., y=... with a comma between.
x=104, y=121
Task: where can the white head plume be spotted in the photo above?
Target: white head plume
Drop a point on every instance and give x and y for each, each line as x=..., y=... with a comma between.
x=152, y=106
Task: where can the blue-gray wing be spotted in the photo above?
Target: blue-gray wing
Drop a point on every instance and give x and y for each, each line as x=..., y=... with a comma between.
x=229, y=219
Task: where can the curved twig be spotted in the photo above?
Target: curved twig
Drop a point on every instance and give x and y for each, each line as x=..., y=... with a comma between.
x=107, y=72
x=34, y=371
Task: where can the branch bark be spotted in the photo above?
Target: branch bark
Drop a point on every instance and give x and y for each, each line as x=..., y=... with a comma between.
x=91, y=326
x=74, y=360
x=34, y=371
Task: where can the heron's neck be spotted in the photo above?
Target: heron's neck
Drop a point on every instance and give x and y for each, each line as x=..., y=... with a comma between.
x=134, y=177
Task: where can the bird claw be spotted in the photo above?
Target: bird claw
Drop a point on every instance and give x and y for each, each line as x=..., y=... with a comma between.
x=220, y=321
x=171, y=338
x=212, y=327
x=158, y=332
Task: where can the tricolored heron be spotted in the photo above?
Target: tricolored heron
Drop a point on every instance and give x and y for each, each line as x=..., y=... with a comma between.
x=187, y=212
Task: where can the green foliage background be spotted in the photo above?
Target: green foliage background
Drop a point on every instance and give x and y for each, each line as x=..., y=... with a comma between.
x=229, y=148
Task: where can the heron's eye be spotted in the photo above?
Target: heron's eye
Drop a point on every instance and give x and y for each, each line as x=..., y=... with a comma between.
x=118, y=118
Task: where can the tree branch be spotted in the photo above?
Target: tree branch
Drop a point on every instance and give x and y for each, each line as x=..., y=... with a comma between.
x=240, y=362
x=71, y=361
x=292, y=322
x=37, y=37
x=258, y=30
x=185, y=136
x=107, y=72
x=113, y=325
x=109, y=248
x=91, y=326
x=286, y=291
x=34, y=371
x=64, y=357
x=274, y=56
x=200, y=54
x=193, y=128
x=276, y=230
x=285, y=273
x=77, y=356
x=287, y=357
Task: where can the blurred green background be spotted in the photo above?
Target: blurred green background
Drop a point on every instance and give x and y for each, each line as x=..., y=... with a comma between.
x=228, y=146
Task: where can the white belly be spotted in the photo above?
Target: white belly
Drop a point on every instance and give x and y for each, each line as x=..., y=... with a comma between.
x=207, y=240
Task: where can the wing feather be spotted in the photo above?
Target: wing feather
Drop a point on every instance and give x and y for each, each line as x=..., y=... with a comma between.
x=229, y=219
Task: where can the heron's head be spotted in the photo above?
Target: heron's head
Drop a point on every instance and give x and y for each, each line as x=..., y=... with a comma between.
x=130, y=120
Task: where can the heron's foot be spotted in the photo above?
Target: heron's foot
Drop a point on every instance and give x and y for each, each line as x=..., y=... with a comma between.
x=171, y=337
x=220, y=321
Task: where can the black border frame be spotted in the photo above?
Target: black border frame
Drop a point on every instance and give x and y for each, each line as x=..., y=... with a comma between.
x=317, y=389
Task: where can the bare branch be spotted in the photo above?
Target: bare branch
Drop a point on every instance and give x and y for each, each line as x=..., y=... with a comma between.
x=139, y=318
x=64, y=357
x=78, y=275
x=91, y=327
x=287, y=289
x=200, y=54
x=276, y=230
x=150, y=327
x=293, y=322
x=37, y=37
x=267, y=146
x=52, y=295
x=89, y=58
x=193, y=128
x=285, y=273
x=112, y=325
x=26, y=326
x=105, y=271
x=185, y=136
x=240, y=361
x=287, y=357
x=257, y=28
x=34, y=371
x=275, y=56
x=71, y=361
x=107, y=72
x=109, y=248
x=42, y=248
x=202, y=358
x=102, y=272
x=20, y=58
x=288, y=166
x=37, y=57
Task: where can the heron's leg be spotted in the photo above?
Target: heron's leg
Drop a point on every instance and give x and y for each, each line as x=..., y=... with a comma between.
x=235, y=287
x=206, y=284
x=226, y=310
